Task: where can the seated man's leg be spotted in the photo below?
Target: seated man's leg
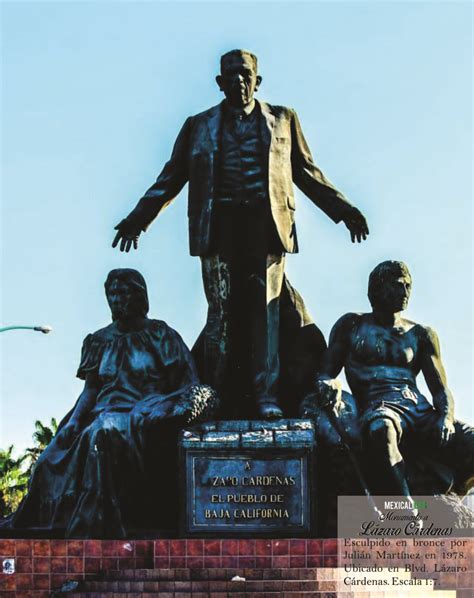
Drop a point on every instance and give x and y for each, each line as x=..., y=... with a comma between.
x=459, y=454
x=382, y=439
x=447, y=467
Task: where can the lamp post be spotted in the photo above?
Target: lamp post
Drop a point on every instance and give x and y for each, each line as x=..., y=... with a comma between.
x=43, y=329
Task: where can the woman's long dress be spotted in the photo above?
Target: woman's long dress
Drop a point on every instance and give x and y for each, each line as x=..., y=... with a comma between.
x=101, y=486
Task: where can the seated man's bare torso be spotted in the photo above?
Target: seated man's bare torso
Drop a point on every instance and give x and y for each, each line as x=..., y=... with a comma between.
x=379, y=358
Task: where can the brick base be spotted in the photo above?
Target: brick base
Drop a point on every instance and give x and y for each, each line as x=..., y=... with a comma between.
x=44, y=565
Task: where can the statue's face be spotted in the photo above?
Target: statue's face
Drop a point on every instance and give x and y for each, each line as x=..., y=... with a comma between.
x=238, y=80
x=120, y=297
x=395, y=294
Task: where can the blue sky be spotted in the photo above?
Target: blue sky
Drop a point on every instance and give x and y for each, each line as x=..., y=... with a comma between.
x=93, y=95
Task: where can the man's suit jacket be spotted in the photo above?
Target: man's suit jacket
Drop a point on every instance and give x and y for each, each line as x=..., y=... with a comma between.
x=195, y=159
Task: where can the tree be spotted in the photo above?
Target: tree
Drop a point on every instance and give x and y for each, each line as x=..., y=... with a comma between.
x=42, y=436
x=13, y=480
x=15, y=472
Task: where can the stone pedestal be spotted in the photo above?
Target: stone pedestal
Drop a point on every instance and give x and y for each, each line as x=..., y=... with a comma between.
x=247, y=478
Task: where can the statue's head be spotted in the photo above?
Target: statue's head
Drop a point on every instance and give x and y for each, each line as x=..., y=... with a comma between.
x=389, y=286
x=238, y=79
x=126, y=293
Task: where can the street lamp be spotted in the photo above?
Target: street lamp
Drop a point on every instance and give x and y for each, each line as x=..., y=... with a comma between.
x=43, y=329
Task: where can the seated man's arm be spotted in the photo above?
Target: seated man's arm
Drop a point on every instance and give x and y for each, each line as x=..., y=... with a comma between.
x=335, y=356
x=435, y=376
x=328, y=387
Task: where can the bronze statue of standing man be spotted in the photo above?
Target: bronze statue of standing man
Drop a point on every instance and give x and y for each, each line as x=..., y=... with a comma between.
x=241, y=159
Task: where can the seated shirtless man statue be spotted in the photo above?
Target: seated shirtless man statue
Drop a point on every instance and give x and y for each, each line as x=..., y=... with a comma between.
x=382, y=353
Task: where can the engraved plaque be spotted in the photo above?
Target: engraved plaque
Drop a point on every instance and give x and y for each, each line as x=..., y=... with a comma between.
x=247, y=478
x=256, y=491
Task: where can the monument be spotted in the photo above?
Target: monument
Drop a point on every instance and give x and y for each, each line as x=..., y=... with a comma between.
x=215, y=470
x=150, y=408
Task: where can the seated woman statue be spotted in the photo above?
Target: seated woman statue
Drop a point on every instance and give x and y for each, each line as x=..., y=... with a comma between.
x=108, y=468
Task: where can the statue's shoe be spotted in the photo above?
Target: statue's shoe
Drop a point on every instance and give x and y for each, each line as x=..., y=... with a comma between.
x=270, y=411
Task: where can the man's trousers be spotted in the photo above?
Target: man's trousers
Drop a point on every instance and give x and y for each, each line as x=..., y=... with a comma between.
x=242, y=330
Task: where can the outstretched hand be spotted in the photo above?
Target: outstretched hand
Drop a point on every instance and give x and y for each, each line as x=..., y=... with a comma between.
x=357, y=224
x=127, y=235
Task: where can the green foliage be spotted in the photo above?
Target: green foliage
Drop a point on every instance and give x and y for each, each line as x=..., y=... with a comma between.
x=42, y=436
x=15, y=471
x=13, y=480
